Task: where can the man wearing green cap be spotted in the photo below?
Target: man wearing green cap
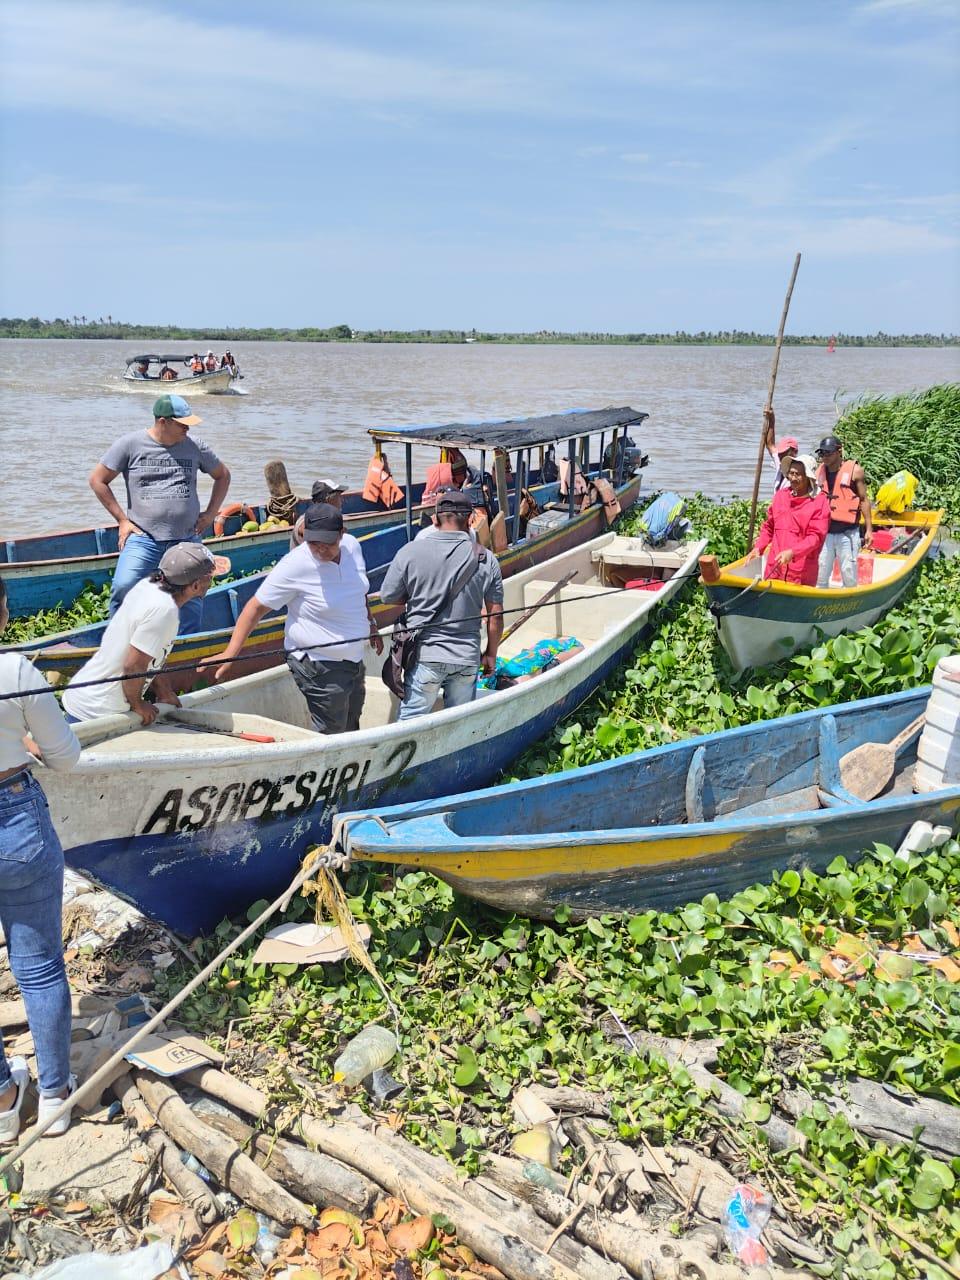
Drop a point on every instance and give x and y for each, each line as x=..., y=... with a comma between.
x=160, y=467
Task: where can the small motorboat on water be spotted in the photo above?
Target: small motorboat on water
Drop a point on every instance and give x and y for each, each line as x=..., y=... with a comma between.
x=144, y=373
x=661, y=828
x=761, y=621
x=192, y=821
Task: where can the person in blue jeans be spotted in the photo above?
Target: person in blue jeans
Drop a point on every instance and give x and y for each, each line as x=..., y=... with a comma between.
x=32, y=727
x=160, y=466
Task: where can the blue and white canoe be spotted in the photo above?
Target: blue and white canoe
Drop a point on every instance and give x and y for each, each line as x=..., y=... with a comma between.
x=661, y=828
x=191, y=825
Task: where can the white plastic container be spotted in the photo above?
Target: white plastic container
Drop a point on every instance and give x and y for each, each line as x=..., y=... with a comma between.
x=938, y=750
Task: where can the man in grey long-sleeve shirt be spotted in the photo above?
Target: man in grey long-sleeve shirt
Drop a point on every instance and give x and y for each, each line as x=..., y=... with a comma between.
x=420, y=577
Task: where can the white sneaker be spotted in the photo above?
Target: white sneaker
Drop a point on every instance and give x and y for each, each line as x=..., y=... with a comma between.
x=47, y=1106
x=10, y=1120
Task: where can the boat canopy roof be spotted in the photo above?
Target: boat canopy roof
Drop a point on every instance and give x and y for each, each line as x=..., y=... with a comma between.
x=159, y=359
x=514, y=433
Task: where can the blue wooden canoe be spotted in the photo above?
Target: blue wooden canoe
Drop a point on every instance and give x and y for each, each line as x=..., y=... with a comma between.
x=49, y=570
x=663, y=827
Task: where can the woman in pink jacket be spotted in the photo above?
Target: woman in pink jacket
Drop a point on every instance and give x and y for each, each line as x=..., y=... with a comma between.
x=795, y=527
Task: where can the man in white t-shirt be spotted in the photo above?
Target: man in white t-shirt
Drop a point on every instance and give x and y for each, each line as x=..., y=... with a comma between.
x=140, y=635
x=328, y=621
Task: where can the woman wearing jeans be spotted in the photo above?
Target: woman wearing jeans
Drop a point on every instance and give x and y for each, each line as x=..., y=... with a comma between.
x=31, y=886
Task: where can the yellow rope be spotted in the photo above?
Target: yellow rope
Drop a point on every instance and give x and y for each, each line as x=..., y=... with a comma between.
x=332, y=905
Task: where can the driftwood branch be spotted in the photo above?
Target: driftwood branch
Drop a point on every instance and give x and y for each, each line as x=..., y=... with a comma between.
x=193, y=1191
x=311, y=1175
x=219, y=1154
x=489, y=1228
x=569, y=1100
x=886, y=1117
x=641, y=1252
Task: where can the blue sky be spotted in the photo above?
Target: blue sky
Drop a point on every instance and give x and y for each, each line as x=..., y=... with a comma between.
x=608, y=166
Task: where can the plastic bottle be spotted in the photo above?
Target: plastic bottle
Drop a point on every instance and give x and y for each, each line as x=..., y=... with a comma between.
x=745, y=1217
x=372, y=1048
x=267, y=1242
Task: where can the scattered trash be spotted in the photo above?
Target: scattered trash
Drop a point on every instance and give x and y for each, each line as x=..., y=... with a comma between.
x=373, y=1047
x=382, y=1086
x=745, y=1218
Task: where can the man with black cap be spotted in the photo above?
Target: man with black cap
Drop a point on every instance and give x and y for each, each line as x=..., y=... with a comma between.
x=445, y=581
x=328, y=621
x=141, y=634
x=328, y=491
x=160, y=467
x=845, y=485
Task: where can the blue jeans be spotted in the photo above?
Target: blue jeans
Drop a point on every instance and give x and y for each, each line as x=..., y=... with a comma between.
x=844, y=547
x=31, y=905
x=424, y=682
x=140, y=557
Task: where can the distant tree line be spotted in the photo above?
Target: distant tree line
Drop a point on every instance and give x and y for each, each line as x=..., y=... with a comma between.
x=107, y=327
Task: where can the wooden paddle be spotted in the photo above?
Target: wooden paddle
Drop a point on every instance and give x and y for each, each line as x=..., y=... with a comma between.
x=867, y=769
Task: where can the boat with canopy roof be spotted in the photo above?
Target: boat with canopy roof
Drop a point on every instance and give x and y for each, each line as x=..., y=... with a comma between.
x=144, y=372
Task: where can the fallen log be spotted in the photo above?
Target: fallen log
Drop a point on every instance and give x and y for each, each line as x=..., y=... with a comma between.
x=311, y=1175
x=490, y=1231
x=192, y=1190
x=695, y=1056
x=220, y=1154
x=642, y=1253
x=886, y=1117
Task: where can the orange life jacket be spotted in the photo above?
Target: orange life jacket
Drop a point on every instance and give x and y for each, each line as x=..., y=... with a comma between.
x=844, y=501
x=579, y=483
x=380, y=485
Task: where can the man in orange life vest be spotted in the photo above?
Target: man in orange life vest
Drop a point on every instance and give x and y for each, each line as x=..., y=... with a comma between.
x=845, y=485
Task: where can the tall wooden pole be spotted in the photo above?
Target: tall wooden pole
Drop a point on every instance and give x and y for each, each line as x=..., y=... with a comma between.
x=769, y=404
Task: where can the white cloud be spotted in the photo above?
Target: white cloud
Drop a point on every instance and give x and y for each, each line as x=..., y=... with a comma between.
x=635, y=157
x=148, y=67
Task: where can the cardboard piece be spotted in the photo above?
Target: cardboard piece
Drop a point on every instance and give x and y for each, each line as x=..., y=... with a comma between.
x=306, y=944
x=169, y=1053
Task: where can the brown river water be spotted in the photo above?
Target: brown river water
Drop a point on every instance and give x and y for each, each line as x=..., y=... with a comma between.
x=63, y=402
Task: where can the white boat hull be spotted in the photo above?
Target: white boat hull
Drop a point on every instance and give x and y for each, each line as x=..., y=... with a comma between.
x=193, y=826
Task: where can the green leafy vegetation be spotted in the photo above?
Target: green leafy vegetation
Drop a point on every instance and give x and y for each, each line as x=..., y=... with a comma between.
x=107, y=327
x=490, y=1002
x=90, y=606
x=919, y=432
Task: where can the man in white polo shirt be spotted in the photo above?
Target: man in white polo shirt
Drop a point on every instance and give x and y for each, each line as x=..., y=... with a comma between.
x=328, y=621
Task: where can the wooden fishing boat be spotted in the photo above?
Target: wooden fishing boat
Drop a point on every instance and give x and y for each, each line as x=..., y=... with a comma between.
x=191, y=824
x=762, y=621
x=210, y=382
x=47, y=571
x=663, y=827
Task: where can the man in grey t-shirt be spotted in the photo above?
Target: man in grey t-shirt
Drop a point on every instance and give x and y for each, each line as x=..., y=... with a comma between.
x=160, y=467
x=421, y=576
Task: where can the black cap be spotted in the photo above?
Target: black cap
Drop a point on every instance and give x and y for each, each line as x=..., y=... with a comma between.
x=322, y=523
x=455, y=501
x=829, y=444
